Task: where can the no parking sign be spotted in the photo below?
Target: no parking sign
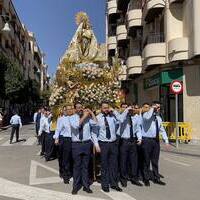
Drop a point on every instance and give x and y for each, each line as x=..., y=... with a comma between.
x=176, y=87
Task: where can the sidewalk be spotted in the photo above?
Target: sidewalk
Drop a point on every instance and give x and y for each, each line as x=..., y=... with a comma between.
x=5, y=128
x=184, y=149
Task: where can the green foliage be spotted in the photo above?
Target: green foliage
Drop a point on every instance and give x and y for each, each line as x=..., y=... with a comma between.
x=3, y=66
x=14, y=82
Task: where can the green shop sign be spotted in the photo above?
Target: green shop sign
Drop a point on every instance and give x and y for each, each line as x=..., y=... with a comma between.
x=152, y=81
x=165, y=77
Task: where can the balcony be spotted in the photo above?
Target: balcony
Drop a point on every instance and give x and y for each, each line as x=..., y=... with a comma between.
x=134, y=62
x=121, y=34
x=112, y=42
x=122, y=5
x=134, y=14
x=123, y=73
x=176, y=1
x=178, y=49
x=152, y=8
x=154, y=52
x=112, y=7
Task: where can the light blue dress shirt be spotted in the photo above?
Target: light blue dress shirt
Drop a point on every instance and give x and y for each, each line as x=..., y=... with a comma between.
x=16, y=120
x=45, y=124
x=124, y=129
x=63, y=127
x=148, y=125
x=113, y=123
x=88, y=125
x=35, y=116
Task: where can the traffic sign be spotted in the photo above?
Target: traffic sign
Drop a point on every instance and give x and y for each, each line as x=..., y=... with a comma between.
x=176, y=87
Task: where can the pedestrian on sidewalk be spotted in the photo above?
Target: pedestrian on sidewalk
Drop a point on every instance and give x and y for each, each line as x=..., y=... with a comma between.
x=44, y=129
x=49, y=140
x=16, y=124
x=36, y=118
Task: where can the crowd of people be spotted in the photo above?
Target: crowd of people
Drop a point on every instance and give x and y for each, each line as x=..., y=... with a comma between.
x=127, y=141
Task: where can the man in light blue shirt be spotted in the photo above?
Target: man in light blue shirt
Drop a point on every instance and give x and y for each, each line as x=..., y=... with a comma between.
x=16, y=123
x=62, y=138
x=82, y=123
x=108, y=147
x=44, y=129
x=130, y=134
x=151, y=124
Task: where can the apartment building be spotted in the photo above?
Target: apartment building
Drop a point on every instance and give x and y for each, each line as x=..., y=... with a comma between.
x=21, y=45
x=158, y=41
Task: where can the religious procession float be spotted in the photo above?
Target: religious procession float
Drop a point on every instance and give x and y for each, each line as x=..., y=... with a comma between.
x=84, y=74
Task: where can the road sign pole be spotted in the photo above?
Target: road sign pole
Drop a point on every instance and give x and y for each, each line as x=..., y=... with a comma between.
x=177, y=127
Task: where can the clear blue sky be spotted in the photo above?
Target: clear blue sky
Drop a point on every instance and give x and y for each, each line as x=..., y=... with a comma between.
x=53, y=22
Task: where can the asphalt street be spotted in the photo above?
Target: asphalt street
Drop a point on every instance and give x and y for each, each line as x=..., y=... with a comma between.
x=24, y=175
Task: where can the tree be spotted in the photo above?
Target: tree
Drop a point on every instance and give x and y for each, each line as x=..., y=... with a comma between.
x=3, y=67
x=14, y=81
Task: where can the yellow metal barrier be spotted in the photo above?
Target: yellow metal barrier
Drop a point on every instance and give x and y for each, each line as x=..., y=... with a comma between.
x=185, y=130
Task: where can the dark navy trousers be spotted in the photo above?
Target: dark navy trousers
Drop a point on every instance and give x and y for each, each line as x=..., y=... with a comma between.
x=81, y=154
x=64, y=157
x=109, y=164
x=128, y=159
x=151, y=153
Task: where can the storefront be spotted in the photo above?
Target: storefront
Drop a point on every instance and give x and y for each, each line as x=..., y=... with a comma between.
x=157, y=87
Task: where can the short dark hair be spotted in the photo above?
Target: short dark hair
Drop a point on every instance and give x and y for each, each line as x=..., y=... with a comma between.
x=76, y=103
x=124, y=103
x=155, y=102
x=104, y=102
x=145, y=104
x=46, y=108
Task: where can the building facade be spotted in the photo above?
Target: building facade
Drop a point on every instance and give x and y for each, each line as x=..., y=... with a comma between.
x=20, y=44
x=158, y=41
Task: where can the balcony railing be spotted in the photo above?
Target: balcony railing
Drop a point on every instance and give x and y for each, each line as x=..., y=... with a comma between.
x=121, y=21
x=136, y=52
x=155, y=38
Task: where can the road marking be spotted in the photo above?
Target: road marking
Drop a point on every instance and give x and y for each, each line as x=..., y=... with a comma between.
x=33, y=180
x=119, y=195
x=24, y=192
x=177, y=162
x=30, y=141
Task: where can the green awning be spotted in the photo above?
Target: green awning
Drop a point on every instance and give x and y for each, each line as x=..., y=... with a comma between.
x=165, y=77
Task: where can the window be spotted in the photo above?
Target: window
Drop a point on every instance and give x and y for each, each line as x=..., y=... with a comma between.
x=29, y=46
x=7, y=44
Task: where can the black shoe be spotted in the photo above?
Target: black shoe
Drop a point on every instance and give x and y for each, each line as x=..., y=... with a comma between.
x=117, y=188
x=159, y=182
x=66, y=181
x=136, y=182
x=105, y=189
x=74, y=191
x=161, y=176
x=88, y=190
x=10, y=142
x=41, y=154
x=123, y=183
x=146, y=183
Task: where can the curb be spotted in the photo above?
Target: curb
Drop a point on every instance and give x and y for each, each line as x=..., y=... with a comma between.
x=182, y=153
x=5, y=128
